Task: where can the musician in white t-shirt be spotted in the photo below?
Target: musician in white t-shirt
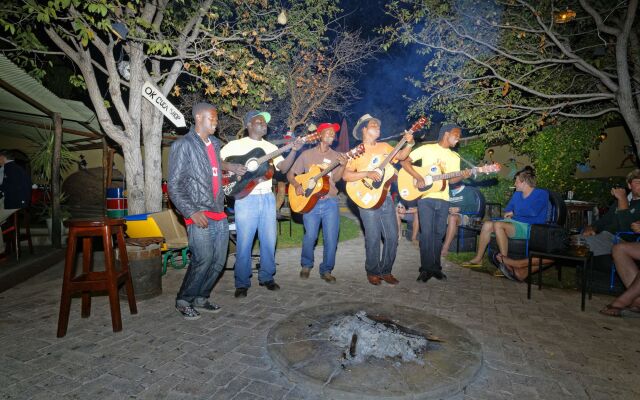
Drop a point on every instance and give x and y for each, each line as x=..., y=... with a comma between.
x=257, y=211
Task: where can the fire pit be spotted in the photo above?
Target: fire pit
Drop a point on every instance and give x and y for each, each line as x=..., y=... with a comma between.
x=372, y=351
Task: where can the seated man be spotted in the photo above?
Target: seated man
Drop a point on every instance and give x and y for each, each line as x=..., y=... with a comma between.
x=15, y=189
x=408, y=211
x=528, y=205
x=463, y=202
x=601, y=234
x=625, y=256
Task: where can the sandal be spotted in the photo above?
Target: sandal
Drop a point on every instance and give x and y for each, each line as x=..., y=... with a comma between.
x=468, y=264
x=630, y=312
x=508, y=273
x=611, y=311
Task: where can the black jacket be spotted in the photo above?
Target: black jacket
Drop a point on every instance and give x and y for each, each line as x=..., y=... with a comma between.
x=16, y=186
x=190, y=186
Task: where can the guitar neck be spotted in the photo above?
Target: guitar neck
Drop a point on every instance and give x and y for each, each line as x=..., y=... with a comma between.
x=329, y=168
x=393, y=153
x=275, y=153
x=448, y=175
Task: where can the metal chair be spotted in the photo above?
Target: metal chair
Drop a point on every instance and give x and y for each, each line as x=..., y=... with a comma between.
x=519, y=248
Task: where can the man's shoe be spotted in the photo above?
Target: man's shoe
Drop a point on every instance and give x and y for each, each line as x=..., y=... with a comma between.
x=374, y=280
x=327, y=277
x=439, y=275
x=271, y=285
x=207, y=307
x=390, y=279
x=189, y=313
x=424, y=276
x=304, y=272
x=241, y=292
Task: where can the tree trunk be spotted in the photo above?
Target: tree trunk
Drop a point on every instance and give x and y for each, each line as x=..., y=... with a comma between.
x=632, y=118
x=152, y=135
x=134, y=176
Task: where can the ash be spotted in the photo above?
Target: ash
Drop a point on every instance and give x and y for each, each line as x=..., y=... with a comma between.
x=365, y=335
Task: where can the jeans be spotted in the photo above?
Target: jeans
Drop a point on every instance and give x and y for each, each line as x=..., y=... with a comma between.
x=380, y=222
x=327, y=213
x=256, y=212
x=433, y=214
x=208, y=248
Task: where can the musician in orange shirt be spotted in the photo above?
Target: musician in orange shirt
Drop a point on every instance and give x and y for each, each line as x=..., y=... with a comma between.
x=379, y=221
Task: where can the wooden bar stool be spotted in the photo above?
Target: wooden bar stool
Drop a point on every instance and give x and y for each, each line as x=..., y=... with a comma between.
x=109, y=279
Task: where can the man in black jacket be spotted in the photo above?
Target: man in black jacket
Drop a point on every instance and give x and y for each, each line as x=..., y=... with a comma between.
x=15, y=188
x=195, y=188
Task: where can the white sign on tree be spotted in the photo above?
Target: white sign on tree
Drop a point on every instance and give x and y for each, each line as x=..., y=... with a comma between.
x=156, y=98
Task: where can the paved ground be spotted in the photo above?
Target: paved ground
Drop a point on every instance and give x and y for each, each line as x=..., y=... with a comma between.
x=539, y=349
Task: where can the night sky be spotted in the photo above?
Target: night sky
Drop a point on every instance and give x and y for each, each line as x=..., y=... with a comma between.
x=383, y=82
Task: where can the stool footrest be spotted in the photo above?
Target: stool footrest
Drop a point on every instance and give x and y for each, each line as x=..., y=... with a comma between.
x=97, y=277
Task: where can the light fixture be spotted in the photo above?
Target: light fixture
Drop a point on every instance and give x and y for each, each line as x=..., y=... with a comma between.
x=124, y=68
x=282, y=17
x=562, y=17
x=603, y=136
x=490, y=152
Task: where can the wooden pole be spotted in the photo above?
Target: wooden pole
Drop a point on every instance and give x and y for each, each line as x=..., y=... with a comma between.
x=56, y=233
x=105, y=167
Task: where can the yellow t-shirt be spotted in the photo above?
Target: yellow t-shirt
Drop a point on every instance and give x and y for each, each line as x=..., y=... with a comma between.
x=243, y=146
x=434, y=154
x=371, y=158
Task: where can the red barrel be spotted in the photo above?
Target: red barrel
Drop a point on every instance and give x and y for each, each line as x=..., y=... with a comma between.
x=116, y=203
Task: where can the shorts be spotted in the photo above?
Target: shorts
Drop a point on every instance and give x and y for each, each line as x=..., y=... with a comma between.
x=522, y=228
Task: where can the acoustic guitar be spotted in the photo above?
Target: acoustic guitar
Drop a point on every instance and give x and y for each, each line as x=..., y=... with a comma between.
x=259, y=168
x=366, y=192
x=315, y=183
x=434, y=180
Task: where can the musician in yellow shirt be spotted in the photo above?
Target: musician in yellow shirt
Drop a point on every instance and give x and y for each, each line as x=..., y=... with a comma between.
x=379, y=222
x=433, y=207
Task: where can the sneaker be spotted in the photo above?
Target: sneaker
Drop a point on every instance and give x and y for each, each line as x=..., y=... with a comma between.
x=327, y=277
x=304, y=272
x=189, y=313
x=241, y=292
x=207, y=307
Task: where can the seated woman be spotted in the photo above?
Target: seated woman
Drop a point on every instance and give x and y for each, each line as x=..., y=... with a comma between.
x=527, y=206
x=463, y=202
x=625, y=256
x=408, y=211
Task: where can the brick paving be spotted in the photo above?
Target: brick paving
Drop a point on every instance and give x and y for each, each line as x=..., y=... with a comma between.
x=544, y=348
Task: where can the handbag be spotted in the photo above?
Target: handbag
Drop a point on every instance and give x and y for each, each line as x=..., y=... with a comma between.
x=548, y=238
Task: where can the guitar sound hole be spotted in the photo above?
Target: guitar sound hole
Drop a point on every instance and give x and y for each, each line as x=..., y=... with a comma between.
x=252, y=165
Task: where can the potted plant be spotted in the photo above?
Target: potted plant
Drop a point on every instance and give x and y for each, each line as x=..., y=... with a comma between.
x=45, y=212
x=42, y=157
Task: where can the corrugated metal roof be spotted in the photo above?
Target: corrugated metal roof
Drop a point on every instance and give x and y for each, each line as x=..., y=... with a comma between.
x=26, y=107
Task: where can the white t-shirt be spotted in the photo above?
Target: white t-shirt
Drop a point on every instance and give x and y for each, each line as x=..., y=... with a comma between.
x=243, y=146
